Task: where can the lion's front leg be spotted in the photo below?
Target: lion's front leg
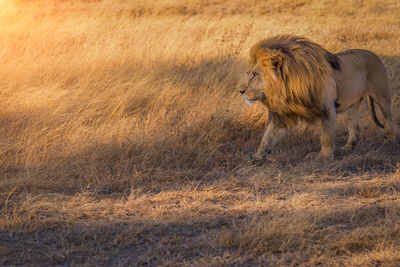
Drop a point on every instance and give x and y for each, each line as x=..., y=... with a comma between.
x=271, y=137
x=328, y=137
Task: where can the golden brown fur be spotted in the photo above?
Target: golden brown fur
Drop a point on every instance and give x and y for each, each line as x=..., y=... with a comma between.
x=304, y=71
x=298, y=79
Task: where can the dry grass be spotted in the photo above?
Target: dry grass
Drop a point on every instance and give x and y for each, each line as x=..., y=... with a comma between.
x=124, y=141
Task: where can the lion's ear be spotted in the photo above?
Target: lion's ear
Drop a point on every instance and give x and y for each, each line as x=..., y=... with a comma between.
x=274, y=62
x=277, y=64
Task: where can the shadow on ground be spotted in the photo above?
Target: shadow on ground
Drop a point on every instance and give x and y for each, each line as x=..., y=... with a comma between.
x=266, y=235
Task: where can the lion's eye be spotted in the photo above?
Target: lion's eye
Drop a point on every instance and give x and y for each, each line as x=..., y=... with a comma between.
x=253, y=76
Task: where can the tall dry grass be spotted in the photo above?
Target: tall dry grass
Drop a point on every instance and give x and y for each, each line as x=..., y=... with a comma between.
x=123, y=139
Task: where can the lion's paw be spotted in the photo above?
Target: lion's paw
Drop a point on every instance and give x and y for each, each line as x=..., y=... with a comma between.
x=256, y=160
x=388, y=139
x=325, y=158
x=349, y=146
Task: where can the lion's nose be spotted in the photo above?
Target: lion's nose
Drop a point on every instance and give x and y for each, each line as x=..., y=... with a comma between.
x=242, y=91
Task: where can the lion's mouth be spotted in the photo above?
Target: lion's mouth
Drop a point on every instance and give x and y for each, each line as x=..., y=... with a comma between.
x=249, y=101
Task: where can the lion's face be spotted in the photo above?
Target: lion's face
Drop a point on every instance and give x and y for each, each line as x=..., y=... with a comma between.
x=252, y=85
x=262, y=81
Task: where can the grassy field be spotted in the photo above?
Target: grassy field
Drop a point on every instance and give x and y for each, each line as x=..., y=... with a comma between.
x=123, y=138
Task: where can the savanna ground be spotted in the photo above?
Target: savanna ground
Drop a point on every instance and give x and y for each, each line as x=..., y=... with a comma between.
x=123, y=139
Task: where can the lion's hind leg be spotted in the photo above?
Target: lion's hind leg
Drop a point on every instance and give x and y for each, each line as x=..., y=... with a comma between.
x=380, y=93
x=384, y=105
x=351, y=117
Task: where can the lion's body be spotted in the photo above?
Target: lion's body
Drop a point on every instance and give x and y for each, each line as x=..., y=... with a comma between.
x=300, y=80
x=362, y=74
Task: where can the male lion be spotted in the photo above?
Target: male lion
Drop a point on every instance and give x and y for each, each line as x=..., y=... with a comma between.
x=297, y=79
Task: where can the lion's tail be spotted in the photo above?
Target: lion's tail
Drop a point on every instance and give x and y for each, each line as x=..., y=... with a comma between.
x=372, y=111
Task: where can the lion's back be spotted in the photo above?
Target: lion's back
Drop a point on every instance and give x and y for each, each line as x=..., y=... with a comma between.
x=362, y=60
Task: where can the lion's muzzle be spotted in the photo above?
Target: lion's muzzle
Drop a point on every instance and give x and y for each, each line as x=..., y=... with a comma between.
x=249, y=102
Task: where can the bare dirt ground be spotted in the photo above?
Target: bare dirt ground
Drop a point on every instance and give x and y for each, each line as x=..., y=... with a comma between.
x=123, y=139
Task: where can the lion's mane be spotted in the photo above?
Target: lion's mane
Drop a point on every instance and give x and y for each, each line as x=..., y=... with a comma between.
x=303, y=67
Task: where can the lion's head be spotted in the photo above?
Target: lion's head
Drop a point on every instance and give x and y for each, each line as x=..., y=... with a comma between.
x=288, y=74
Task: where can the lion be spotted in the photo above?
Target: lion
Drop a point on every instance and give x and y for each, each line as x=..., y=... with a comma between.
x=299, y=80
